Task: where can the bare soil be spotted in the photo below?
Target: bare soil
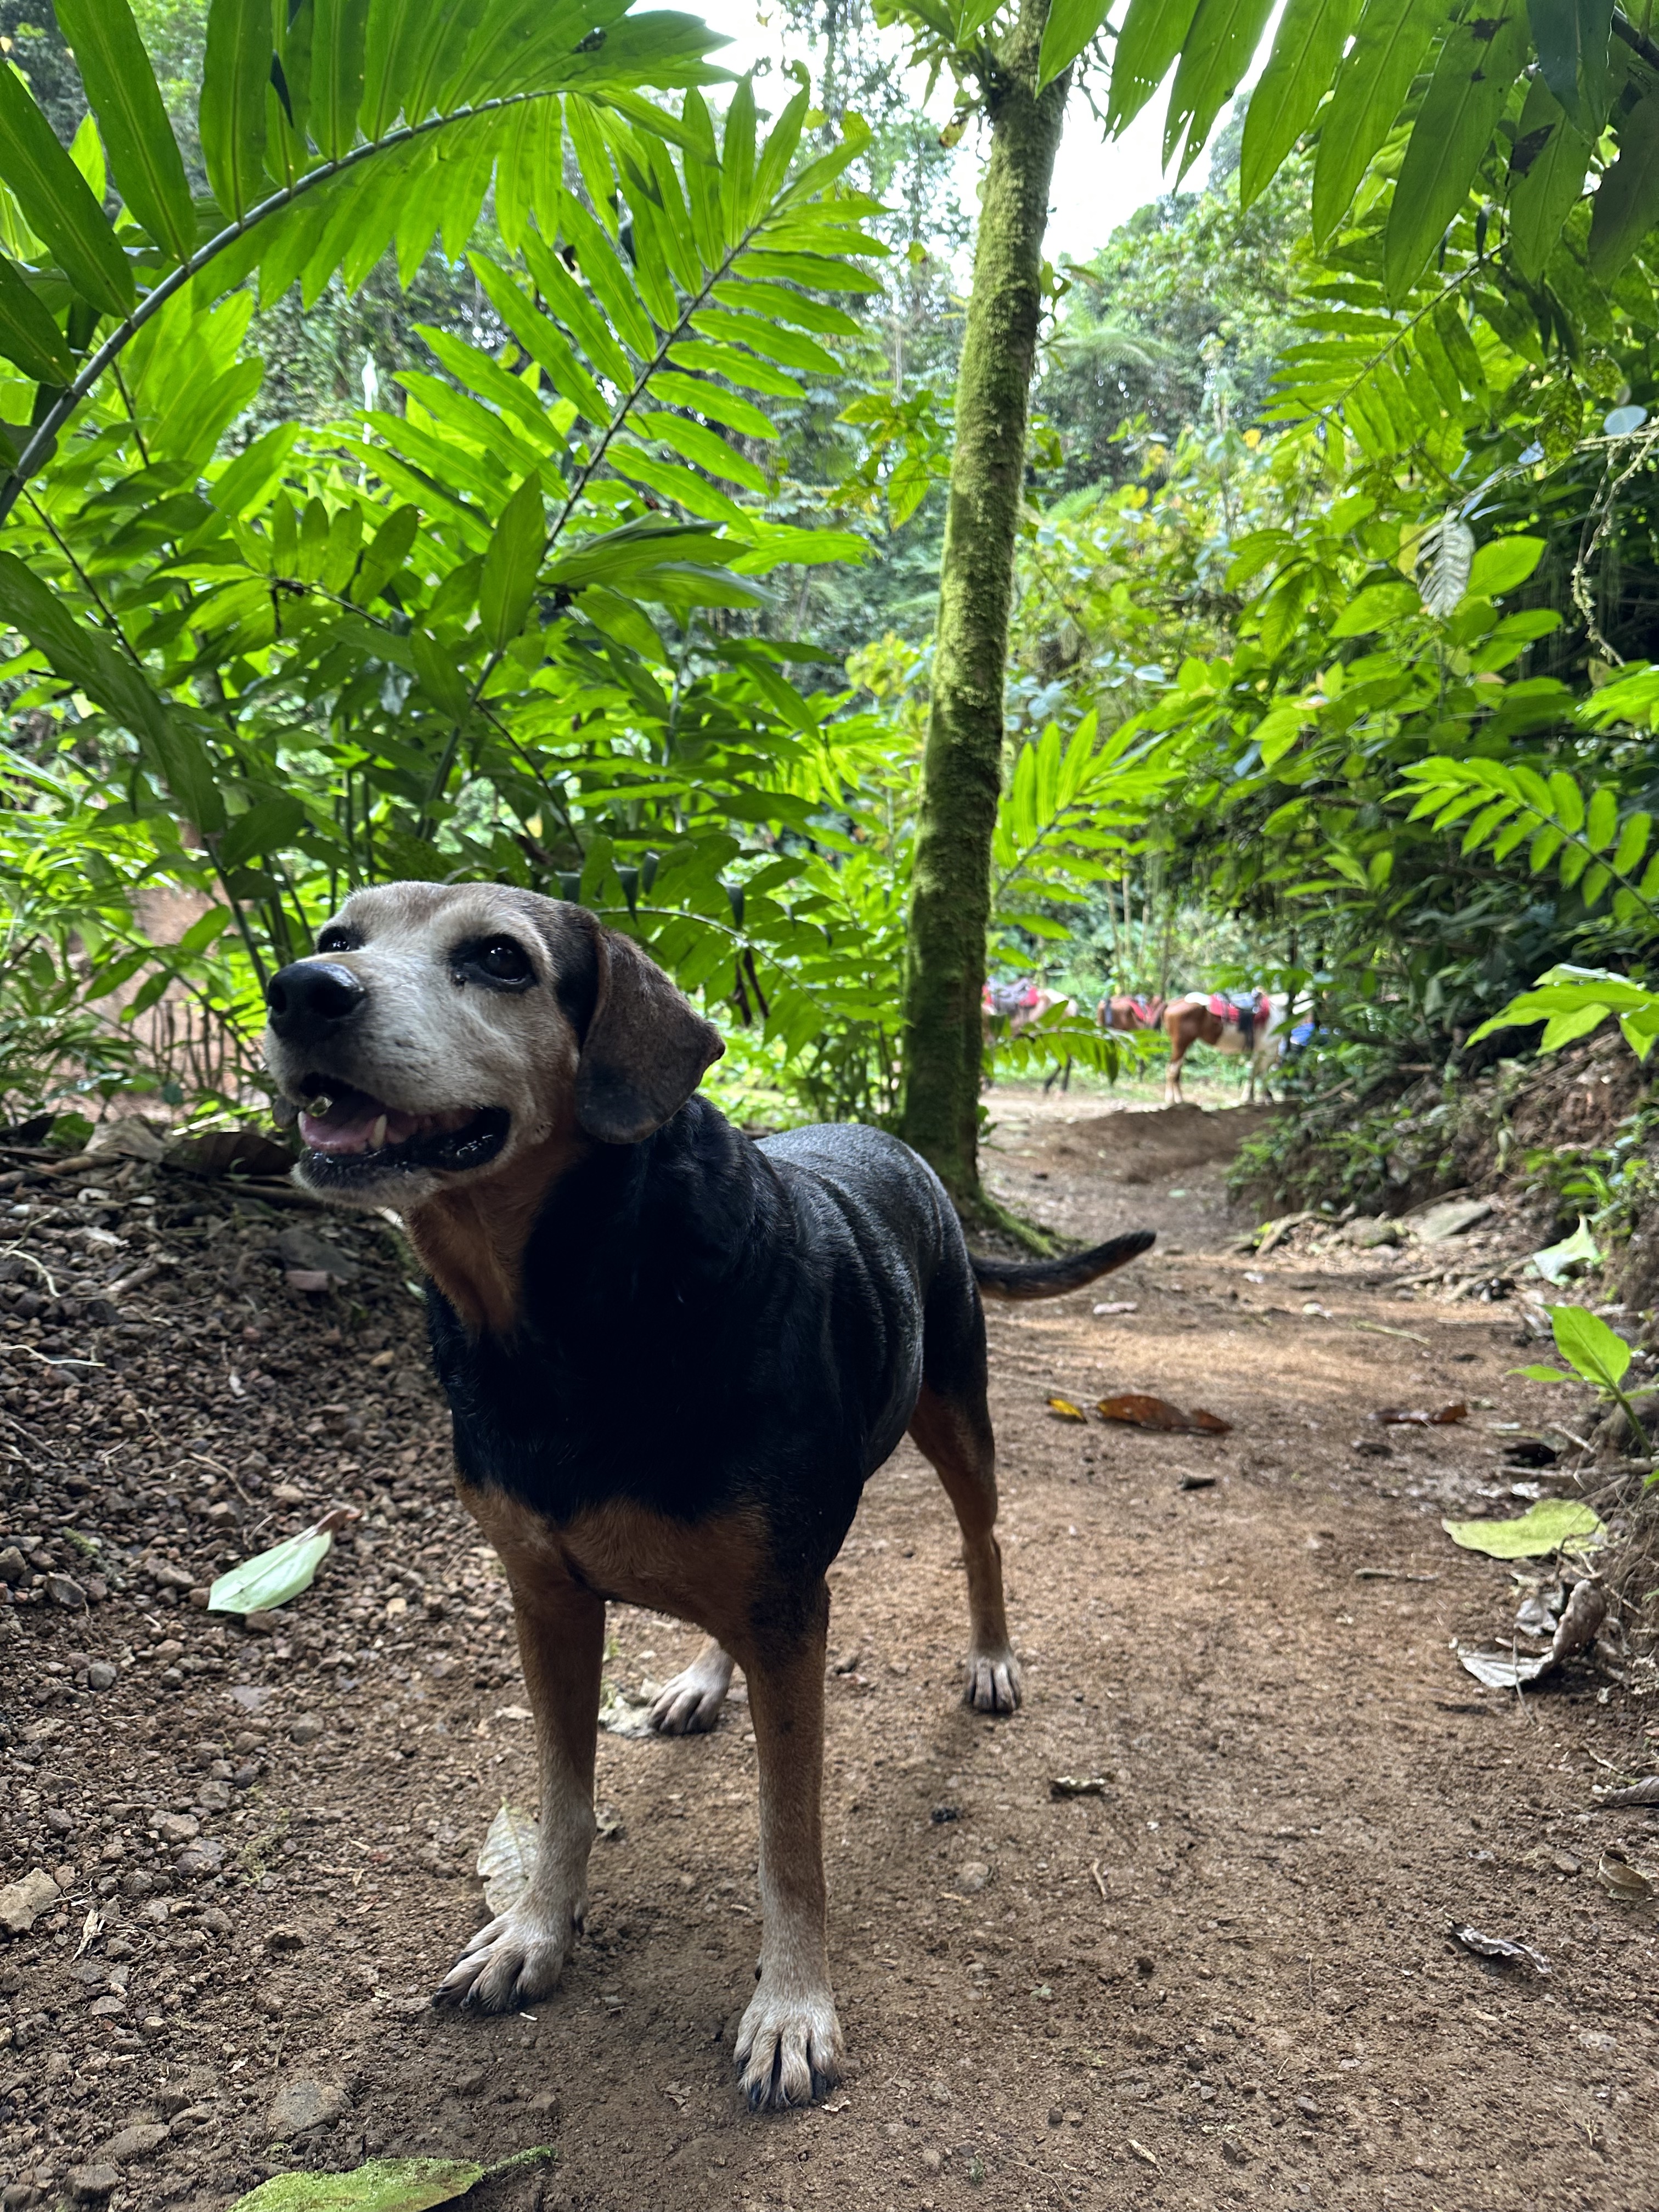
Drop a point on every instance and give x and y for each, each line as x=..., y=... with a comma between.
x=1223, y=1977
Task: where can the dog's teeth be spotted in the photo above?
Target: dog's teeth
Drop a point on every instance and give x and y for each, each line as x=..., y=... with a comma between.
x=377, y=1134
x=321, y=1105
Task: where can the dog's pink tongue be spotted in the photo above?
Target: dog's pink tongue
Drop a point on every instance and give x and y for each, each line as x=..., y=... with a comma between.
x=342, y=1128
x=360, y=1125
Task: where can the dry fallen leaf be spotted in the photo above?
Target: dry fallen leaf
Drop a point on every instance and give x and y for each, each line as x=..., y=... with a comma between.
x=1400, y=1417
x=506, y=1855
x=1623, y=1882
x=1077, y=1785
x=1639, y=1793
x=1143, y=1412
x=1066, y=1411
x=1142, y=2153
x=1500, y=1946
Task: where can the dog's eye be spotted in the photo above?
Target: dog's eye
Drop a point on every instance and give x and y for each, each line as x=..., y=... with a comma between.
x=336, y=939
x=500, y=960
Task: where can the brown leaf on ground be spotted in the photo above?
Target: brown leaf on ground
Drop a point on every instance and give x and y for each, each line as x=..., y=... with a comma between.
x=1144, y=1412
x=1639, y=1793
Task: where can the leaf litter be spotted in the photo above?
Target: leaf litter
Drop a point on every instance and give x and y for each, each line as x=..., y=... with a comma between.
x=388, y=2185
x=1554, y=1524
x=1503, y=1948
x=1400, y=1417
x=505, y=1858
x=1142, y=1411
x=272, y=1578
x=1585, y=1611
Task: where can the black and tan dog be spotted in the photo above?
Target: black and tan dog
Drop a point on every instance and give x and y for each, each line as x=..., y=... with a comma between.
x=673, y=1355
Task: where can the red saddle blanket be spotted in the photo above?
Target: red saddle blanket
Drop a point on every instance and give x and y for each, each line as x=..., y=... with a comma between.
x=1233, y=1011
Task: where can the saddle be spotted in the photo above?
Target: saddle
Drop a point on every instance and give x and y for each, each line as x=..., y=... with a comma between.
x=1242, y=1010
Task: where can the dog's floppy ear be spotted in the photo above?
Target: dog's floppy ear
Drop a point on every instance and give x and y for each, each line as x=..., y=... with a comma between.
x=645, y=1047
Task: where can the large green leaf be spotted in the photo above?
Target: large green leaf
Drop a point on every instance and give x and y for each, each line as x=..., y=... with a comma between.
x=143, y=153
x=82, y=657
x=1071, y=25
x=1627, y=201
x=231, y=118
x=1215, y=53
x=57, y=202
x=1572, y=37
x=509, y=582
x=28, y=335
x=1478, y=63
x=1547, y=171
x=337, y=73
x=1152, y=37
x=1309, y=44
x=1371, y=85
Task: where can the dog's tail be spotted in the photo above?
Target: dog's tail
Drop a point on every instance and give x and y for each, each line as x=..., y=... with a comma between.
x=1052, y=1279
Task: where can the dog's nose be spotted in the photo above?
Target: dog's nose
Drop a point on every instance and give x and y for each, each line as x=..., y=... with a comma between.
x=311, y=999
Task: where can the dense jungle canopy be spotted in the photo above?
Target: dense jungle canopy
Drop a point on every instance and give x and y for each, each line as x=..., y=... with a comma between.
x=502, y=442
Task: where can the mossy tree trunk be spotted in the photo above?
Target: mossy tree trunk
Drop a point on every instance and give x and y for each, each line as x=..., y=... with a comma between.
x=961, y=769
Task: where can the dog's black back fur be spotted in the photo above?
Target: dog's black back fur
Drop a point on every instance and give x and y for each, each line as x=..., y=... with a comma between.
x=708, y=1325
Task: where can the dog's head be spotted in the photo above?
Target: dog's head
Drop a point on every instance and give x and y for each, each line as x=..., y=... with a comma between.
x=441, y=1033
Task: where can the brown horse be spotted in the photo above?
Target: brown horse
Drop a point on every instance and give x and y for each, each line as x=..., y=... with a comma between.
x=1123, y=1012
x=1256, y=1027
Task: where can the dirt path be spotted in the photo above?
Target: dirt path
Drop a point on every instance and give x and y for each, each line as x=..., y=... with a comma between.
x=1224, y=1979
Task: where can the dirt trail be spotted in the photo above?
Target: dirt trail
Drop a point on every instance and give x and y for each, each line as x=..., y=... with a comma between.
x=1226, y=1979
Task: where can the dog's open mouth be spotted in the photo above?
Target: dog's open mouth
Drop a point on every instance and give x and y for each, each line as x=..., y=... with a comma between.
x=348, y=1133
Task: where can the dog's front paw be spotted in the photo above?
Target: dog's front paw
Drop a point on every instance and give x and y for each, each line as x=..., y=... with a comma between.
x=789, y=2048
x=691, y=1703
x=518, y=1957
x=992, y=1682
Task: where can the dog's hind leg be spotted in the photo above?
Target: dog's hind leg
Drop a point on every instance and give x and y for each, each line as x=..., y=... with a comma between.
x=521, y=1953
x=789, y=2045
x=953, y=1430
x=691, y=1703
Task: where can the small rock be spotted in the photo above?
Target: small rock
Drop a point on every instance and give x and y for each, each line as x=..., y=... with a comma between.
x=178, y=1828
x=101, y=1675
x=306, y=1729
x=285, y=1939
x=930, y=2161
x=170, y=1577
x=299, y=2107
x=1450, y=1220
x=13, y=1566
x=91, y=2184
x=973, y=1875
x=64, y=1590
x=258, y=1624
x=21, y=1903
x=299, y=1249
x=1368, y=1233
x=138, y=2140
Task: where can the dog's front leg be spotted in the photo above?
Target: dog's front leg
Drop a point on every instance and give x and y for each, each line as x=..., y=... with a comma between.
x=789, y=2045
x=521, y=1953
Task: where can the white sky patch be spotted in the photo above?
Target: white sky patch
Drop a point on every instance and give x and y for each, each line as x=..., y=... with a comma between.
x=1098, y=185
